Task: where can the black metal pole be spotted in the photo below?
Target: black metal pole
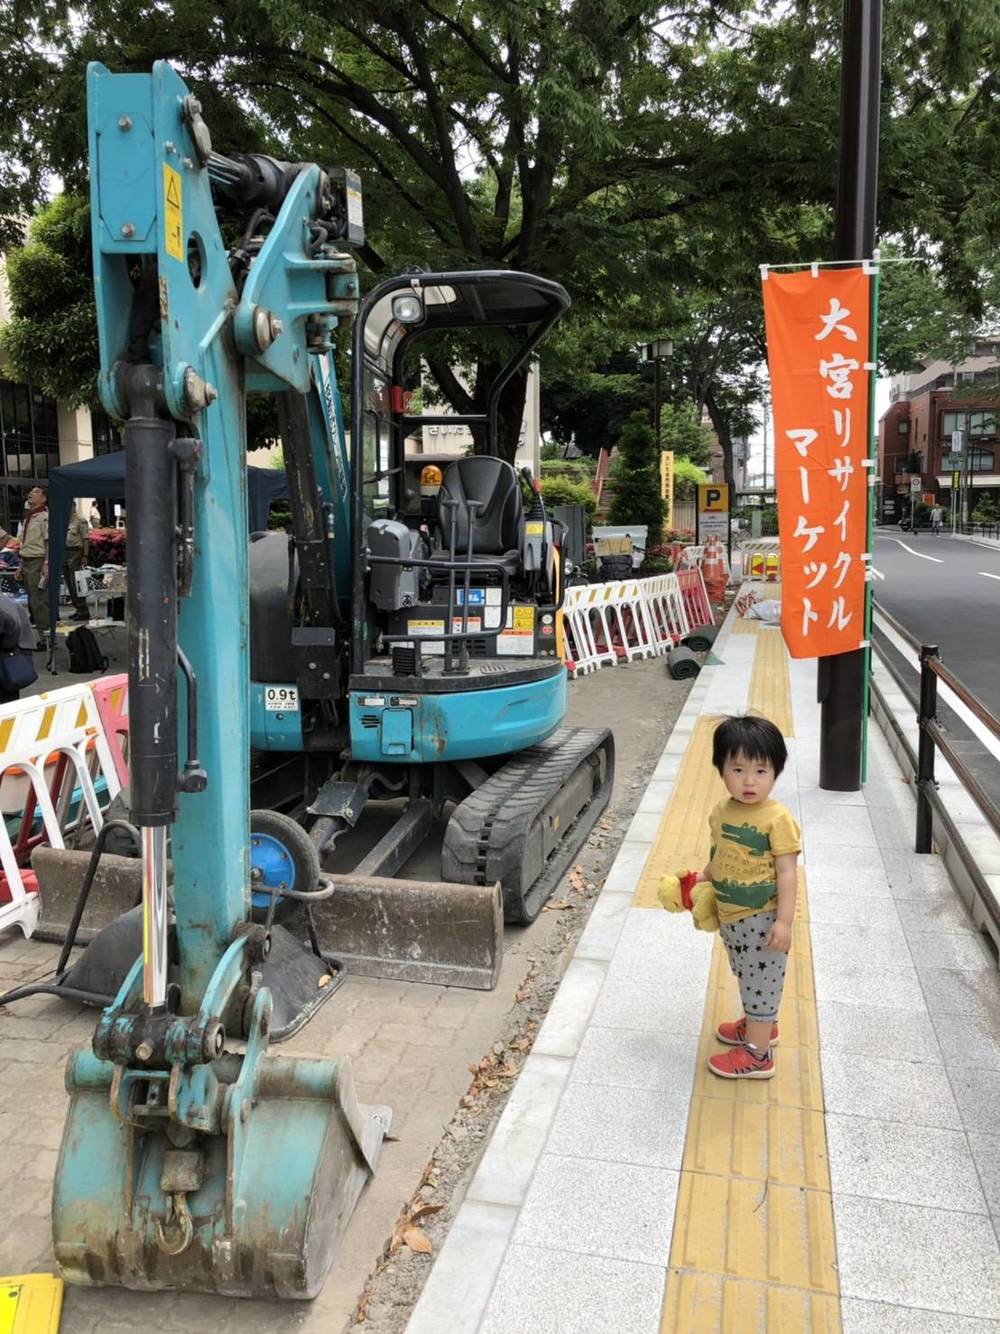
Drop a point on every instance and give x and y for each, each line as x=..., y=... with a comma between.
x=925, y=748
x=840, y=678
x=656, y=400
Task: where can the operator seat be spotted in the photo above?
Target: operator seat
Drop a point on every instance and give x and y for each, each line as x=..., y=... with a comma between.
x=498, y=522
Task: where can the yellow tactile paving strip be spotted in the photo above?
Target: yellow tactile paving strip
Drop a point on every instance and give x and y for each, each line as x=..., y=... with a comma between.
x=770, y=693
x=753, y=1242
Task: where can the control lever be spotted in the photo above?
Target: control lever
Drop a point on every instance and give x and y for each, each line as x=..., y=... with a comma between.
x=194, y=778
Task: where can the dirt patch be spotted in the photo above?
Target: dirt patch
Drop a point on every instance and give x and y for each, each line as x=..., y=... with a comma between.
x=640, y=704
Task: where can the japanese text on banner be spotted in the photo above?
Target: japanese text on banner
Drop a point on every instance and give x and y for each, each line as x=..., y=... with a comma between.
x=818, y=331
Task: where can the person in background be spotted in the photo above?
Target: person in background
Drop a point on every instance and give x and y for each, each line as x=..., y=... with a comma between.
x=77, y=545
x=937, y=518
x=35, y=561
x=17, y=639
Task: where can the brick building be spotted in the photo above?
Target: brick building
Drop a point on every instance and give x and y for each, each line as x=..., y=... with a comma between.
x=926, y=406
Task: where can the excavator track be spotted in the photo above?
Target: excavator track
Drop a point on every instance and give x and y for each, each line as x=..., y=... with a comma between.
x=524, y=825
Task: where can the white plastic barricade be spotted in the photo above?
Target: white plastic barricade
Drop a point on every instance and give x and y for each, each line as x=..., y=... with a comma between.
x=635, y=629
x=581, y=651
x=665, y=606
x=52, y=748
x=631, y=618
x=596, y=605
x=690, y=558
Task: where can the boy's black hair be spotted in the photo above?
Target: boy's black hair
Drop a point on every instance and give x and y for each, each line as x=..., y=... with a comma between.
x=756, y=738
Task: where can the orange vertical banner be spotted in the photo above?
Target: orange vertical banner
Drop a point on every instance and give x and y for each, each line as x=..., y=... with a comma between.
x=818, y=326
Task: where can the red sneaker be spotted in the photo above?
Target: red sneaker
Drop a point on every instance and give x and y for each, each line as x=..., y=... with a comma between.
x=735, y=1034
x=741, y=1063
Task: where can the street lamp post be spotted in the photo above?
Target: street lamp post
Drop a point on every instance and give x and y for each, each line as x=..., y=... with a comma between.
x=841, y=677
x=659, y=351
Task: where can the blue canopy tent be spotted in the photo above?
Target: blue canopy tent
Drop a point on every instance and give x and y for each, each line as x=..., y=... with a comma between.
x=104, y=479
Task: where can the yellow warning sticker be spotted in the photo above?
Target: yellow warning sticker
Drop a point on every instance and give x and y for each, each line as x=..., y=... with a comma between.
x=173, y=213
x=524, y=619
x=421, y=627
x=30, y=1304
x=8, y=1307
x=535, y=529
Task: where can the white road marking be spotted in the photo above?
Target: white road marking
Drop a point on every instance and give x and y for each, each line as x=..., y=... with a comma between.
x=923, y=555
x=989, y=576
x=967, y=716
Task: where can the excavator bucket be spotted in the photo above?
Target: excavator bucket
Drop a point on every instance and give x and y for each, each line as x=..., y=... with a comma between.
x=252, y=1207
x=408, y=930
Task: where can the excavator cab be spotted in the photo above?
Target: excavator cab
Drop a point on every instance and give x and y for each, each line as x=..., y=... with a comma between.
x=457, y=585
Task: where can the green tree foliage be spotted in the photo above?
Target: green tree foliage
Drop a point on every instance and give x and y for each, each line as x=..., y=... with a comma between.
x=589, y=407
x=682, y=431
x=647, y=155
x=635, y=477
x=987, y=511
x=51, y=339
x=687, y=476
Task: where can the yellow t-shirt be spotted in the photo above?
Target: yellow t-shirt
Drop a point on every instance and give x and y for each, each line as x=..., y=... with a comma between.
x=745, y=841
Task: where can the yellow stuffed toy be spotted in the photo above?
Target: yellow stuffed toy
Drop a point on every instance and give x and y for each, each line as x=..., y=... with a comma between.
x=687, y=893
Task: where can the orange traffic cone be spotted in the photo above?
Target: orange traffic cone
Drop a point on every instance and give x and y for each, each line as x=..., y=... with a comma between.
x=713, y=570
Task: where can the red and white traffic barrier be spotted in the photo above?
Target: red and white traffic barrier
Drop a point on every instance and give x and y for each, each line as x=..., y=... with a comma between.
x=696, y=604
x=52, y=749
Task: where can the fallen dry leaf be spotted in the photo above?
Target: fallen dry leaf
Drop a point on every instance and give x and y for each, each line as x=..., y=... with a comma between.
x=424, y=1209
x=576, y=879
x=557, y=905
x=418, y=1241
x=361, y=1310
x=520, y=995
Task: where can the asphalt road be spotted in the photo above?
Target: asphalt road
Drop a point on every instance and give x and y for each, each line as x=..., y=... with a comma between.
x=946, y=592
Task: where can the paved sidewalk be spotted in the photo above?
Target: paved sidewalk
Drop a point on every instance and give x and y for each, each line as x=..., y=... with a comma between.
x=627, y=1190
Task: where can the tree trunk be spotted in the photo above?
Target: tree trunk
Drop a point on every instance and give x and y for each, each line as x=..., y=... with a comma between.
x=720, y=424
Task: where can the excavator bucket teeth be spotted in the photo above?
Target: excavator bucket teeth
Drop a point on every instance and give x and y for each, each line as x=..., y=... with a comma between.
x=267, y=1201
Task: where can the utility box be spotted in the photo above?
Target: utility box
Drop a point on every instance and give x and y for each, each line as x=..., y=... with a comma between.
x=574, y=520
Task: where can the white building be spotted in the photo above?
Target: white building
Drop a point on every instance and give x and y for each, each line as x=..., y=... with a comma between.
x=458, y=439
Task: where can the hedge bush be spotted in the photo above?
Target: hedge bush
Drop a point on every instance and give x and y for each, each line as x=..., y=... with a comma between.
x=564, y=491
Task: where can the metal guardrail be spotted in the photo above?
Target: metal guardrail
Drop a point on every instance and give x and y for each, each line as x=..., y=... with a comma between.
x=989, y=530
x=933, y=738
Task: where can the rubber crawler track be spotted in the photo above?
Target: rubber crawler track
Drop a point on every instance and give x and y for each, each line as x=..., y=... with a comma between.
x=489, y=830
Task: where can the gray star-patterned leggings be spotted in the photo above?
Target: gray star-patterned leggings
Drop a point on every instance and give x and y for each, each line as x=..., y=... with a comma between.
x=759, y=970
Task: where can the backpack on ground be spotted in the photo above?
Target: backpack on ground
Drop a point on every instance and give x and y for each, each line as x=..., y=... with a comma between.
x=84, y=651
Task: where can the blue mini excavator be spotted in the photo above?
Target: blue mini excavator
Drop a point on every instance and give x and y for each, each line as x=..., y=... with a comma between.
x=184, y=1163
x=397, y=651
